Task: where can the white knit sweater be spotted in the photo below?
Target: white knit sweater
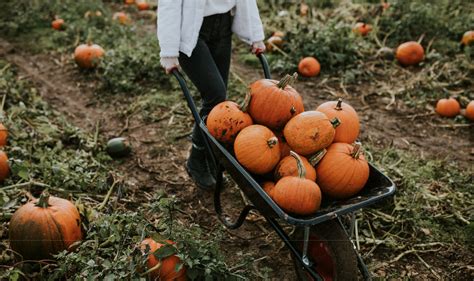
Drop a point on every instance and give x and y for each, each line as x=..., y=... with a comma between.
x=214, y=7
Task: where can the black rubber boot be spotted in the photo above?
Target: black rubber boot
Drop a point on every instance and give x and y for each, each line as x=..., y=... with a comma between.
x=198, y=169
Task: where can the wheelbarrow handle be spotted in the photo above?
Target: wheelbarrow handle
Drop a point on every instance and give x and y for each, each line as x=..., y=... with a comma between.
x=265, y=66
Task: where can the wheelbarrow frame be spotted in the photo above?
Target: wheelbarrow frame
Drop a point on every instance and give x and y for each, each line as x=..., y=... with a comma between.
x=378, y=187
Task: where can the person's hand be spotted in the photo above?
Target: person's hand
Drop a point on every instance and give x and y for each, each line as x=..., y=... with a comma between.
x=169, y=63
x=258, y=47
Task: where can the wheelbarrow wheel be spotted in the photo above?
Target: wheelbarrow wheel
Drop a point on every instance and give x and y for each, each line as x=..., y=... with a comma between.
x=330, y=251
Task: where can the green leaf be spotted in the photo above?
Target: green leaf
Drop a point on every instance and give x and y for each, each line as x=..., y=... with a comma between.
x=165, y=251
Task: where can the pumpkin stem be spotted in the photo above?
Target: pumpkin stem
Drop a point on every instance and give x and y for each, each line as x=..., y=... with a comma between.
x=287, y=80
x=43, y=201
x=272, y=142
x=356, y=150
x=314, y=160
x=245, y=104
x=339, y=104
x=299, y=164
x=335, y=122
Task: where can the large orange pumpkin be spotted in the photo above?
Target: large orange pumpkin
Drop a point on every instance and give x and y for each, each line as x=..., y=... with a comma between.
x=44, y=227
x=4, y=166
x=3, y=135
x=288, y=166
x=166, y=271
x=88, y=55
x=469, y=113
x=343, y=171
x=57, y=24
x=257, y=149
x=410, y=53
x=226, y=120
x=284, y=147
x=310, y=131
x=309, y=67
x=468, y=38
x=273, y=103
x=297, y=195
x=362, y=28
x=448, y=107
x=348, y=131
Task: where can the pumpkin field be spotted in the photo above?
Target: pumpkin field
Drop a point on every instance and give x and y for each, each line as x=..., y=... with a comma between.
x=94, y=137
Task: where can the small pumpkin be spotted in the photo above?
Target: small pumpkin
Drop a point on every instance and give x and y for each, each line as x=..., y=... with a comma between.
x=467, y=38
x=274, y=41
x=257, y=149
x=227, y=119
x=362, y=29
x=343, y=171
x=448, y=107
x=273, y=102
x=410, y=53
x=88, y=55
x=268, y=187
x=469, y=112
x=3, y=135
x=310, y=131
x=121, y=17
x=309, y=67
x=288, y=166
x=44, y=227
x=143, y=6
x=297, y=194
x=118, y=147
x=349, y=129
x=165, y=267
x=129, y=2
x=284, y=147
x=4, y=166
x=57, y=24
x=304, y=8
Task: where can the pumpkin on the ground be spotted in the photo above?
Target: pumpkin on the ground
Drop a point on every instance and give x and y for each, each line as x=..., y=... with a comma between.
x=57, y=24
x=309, y=67
x=348, y=131
x=257, y=149
x=88, y=55
x=288, y=166
x=118, y=147
x=448, y=107
x=44, y=227
x=410, y=53
x=4, y=166
x=273, y=102
x=469, y=112
x=143, y=6
x=3, y=135
x=121, y=17
x=165, y=268
x=310, y=131
x=467, y=38
x=297, y=194
x=362, y=28
x=343, y=171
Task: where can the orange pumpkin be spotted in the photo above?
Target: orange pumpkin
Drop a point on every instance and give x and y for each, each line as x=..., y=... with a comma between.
x=257, y=149
x=343, y=171
x=469, y=113
x=268, y=187
x=448, y=107
x=362, y=28
x=129, y=2
x=309, y=67
x=468, y=38
x=121, y=17
x=297, y=194
x=88, y=55
x=143, y=6
x=4, y=166
x=44, y=227
x=348, y=131
x=284, y=147
x=3, y=135
x=273, y=103
x=166, y=271
x=57, y=24
x=304, y=8
x=288, y=166
x=227, y=119
x=410, y=53
x=310, y=131
x=272, y=42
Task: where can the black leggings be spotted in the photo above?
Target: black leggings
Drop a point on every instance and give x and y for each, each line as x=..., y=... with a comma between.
x=208, y=66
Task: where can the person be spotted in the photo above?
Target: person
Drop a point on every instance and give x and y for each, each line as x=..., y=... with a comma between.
x=196, y=35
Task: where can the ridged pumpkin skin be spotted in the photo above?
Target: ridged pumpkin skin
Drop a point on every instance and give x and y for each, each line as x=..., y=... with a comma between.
x=257, y=149
x=309, y=132
x=284, y=146
x=167, y=270
x=268, y=187
x=57, y=24
x=448, y=107
x=273, y=102
x=226, y=120
x=469, y=113
x=468, y=38
x=410, y=53
x=362, y=28
x=44, y=227
x=343, y=171
x=88, y=55
x=4, y=166
x=348, y=130
x=309, y=67
x=297, y=195
x=288, y=167
x=3, y=135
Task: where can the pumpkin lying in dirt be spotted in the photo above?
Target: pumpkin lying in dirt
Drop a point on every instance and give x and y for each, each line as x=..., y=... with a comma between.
x=88, y=56
x=3, y=135
x=309, y=67
x=448, y=107
x=164, y=268
x=57, y=24
x=362, y=28
x=410, y=53
x=4, y=166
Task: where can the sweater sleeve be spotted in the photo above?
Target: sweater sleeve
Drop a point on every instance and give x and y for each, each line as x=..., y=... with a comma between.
x=169, y=27
x=256, y=23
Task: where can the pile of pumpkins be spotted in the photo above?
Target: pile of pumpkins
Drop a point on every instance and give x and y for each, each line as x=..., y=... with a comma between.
x=302, y=155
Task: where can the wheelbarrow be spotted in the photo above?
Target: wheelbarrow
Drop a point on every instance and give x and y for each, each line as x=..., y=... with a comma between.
x=321, y=245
